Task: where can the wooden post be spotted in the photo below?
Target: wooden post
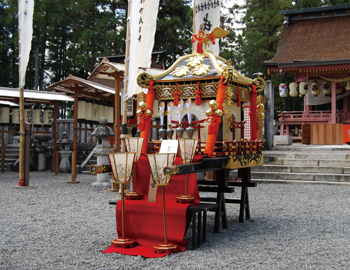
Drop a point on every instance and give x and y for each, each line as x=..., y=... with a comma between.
x=75, y=140
x=2, y=149
x=334, y=103
x=27, y=154
x=117, y=112
x=22, y=138
x=55, y=156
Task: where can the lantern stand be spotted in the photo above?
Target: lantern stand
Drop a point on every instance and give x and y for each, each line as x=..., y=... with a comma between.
x=134, y=144
x=122, y=164
x=157, y=163
x=188, y=149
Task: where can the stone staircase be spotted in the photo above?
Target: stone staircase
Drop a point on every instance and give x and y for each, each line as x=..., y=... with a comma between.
x=11, y=156
x=305, y=163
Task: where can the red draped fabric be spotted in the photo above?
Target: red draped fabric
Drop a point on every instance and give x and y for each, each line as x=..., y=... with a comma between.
x=144, y=220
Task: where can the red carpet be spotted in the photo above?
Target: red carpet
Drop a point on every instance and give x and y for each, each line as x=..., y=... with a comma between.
x=144, y=220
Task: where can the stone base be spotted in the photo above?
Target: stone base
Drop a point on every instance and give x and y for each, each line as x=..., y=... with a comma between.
x=101, y=185
x=282, y=140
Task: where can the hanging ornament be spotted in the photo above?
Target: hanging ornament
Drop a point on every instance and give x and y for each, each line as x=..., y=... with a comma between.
x=283, y=89
x=293, y=92
x=315, y=88
x=303, y=88
x=327, y=88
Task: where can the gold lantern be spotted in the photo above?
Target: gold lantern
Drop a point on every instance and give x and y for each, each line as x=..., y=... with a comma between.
x=134, y=144
x=157, y=163
x=122, y=164
x=187, y=149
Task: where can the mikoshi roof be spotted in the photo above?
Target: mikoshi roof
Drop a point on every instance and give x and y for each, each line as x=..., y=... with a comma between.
x=35, y=96
x=203, y=70
x=314, y=37
x=84, y=87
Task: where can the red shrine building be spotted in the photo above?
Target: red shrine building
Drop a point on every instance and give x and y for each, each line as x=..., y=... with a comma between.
x=315, y=47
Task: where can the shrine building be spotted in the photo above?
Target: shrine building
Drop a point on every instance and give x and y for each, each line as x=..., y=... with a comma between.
x=314, y=46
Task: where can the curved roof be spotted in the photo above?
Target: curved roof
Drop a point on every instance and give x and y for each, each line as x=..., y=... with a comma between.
x=198, y=67
x=84, y=88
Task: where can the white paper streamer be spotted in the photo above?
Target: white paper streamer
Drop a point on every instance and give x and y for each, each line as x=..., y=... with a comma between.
x=189, y=114
x=170, y=111
x=161, y=113
x=181, y=109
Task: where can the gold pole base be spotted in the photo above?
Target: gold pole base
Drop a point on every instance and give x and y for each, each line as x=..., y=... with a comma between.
x=165, y=248
x=123, y=243
x=185, y=199
x=134, y=196
x=73, y=182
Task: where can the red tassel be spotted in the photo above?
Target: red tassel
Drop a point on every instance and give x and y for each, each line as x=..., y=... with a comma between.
x=176, y=96
x=214, y=125
x=198, y=95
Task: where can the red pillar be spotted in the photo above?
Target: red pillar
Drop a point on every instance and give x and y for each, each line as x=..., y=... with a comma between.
x=334, y=102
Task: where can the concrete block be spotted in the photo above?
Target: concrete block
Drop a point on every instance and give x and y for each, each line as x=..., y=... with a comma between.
x=282, y=140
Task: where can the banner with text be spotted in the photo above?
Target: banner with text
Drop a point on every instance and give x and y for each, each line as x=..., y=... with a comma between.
x=208, y=16
x=143, y=23
x=25, y=28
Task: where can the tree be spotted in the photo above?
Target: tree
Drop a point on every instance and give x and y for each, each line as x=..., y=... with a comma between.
x=174, y=24
x=8, y=43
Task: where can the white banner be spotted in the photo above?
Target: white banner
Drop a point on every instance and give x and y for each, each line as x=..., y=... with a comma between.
x=143, y=23
x=208, y=15
x=25, y=28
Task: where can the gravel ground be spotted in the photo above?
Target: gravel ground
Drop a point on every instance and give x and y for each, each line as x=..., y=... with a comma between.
x=55, y=225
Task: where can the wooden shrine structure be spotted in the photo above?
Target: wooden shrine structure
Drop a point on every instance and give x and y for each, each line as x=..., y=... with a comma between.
x=315, y=47
x=33, y=97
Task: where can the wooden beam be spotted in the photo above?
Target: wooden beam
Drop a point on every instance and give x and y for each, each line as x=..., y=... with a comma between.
x=75, y=140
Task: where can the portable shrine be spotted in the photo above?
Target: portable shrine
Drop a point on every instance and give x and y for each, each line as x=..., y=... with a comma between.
x=200, y=99
x=203, y=94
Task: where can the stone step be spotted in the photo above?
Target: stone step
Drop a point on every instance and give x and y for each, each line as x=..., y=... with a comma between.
x=312, y=163
x=302, y=169
x=308, y=155
x=301, y=176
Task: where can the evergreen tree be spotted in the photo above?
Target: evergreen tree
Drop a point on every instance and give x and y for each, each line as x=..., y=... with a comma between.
x=174, y=24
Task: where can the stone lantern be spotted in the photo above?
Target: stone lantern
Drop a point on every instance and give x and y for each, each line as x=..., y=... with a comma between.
x=42, y=149
x=65, y=152
x=102, y=133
